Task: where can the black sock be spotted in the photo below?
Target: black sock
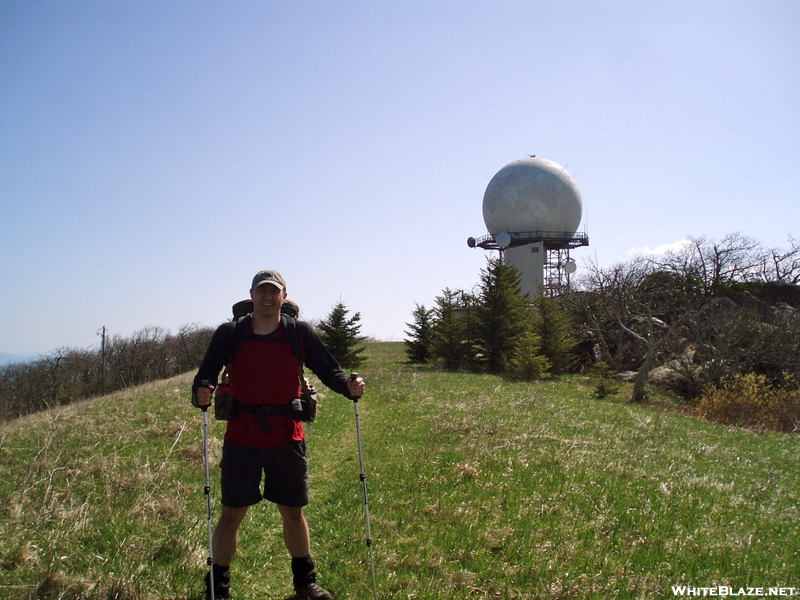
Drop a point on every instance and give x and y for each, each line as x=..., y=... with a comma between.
x=222, y=574
x=222, y=578
x=303, y=571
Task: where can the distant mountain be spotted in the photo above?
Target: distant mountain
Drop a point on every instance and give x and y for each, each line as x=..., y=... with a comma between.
x=6, y=359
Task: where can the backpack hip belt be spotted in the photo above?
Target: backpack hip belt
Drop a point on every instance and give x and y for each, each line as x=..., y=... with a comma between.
x=298, y=409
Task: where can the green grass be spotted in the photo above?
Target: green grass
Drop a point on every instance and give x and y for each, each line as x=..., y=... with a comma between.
x=478, y=487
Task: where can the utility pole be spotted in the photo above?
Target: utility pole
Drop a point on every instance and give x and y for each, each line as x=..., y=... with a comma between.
x=103, y=360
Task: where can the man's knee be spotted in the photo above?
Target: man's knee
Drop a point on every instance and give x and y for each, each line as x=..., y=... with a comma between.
x=232, y=517
x=291, y=513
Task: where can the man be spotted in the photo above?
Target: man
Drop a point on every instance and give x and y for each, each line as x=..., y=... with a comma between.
x=262, y=438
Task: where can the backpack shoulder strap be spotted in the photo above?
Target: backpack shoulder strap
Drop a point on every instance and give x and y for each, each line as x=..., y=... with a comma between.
x=239, y=333
x=242, y=327
x=298, y=349
x=290, y=327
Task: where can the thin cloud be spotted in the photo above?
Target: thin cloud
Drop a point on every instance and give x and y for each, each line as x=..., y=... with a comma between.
x=659, y=250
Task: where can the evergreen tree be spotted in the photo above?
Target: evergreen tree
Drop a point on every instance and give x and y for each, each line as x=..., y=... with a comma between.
x=469, y=309
x=606, y=385
x=529, y=363
x=341, y=335
x=551, y=324
x=500, y=314
x=418, y=346
x=450, y=341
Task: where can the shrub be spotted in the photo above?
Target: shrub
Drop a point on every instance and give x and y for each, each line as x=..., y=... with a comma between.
x=528, y=362
x=552, y=324
x=751, y=400
x=606, y=386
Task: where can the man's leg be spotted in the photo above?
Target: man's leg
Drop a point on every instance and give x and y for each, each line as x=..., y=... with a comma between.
x=297, y=539
x=226, y=534
x=295, y=531
x=225, y=540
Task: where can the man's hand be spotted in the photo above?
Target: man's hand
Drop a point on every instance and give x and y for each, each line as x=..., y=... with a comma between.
x=203, y=394
x=355, y=385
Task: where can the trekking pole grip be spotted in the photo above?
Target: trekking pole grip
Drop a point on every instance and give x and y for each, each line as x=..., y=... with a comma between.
x=205, y=383
x=353, y=377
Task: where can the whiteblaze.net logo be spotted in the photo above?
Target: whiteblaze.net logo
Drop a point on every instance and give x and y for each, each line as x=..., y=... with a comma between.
x=729, y=591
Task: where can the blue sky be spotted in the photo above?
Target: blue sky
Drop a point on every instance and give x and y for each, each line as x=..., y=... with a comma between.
x=155, y=155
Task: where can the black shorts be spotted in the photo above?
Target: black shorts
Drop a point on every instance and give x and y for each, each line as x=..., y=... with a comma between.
x=285, y=472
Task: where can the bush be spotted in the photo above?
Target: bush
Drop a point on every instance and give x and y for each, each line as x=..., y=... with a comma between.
x=551, y=323
x=606, y=385
x=528, y=362
x=751, y=400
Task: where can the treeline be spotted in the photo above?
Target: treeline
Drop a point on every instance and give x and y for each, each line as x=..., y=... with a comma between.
x=68, y=375
x=709, y=316
x=494, y=328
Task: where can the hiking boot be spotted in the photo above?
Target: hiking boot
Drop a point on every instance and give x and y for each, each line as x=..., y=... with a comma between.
x=222, y=583
x=313, y=592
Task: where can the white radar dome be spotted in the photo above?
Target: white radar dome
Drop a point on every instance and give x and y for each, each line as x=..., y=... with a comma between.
x=532, y=195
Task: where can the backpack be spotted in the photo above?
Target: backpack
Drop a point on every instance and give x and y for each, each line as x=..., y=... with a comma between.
x=226, y=407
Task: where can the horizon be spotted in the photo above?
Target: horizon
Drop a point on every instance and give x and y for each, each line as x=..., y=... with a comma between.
x=155, y=155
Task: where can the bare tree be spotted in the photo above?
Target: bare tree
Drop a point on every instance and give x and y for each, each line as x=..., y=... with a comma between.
x=188, y=346
x=716, y=265
x=650, y=344
x=68, y=375
x=632, y=308
x=604, y=297
x=782, y=265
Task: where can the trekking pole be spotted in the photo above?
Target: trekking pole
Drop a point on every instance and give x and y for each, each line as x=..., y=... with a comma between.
x=363, y=477
x=207, y=490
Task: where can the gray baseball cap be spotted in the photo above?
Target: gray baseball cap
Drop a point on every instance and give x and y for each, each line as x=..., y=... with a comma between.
x=269, y=276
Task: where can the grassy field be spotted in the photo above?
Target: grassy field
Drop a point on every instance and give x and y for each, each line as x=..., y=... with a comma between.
x=478, y=487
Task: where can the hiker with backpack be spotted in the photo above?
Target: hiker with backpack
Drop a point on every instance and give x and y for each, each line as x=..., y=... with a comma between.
x=264, y=353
